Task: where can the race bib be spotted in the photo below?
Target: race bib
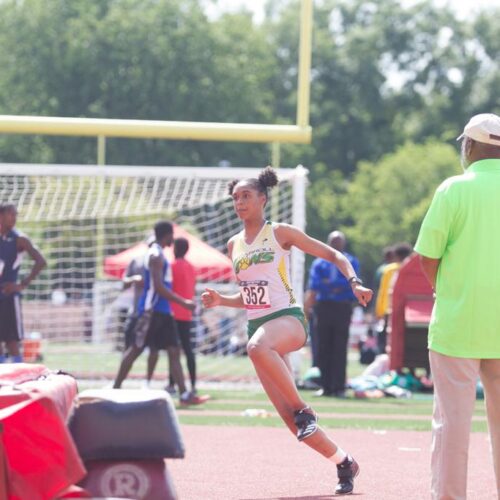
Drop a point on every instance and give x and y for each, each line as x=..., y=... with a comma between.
x=255, y=294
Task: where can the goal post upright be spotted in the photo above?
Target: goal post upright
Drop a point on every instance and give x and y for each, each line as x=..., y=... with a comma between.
x=299, y=221
x=304, y=70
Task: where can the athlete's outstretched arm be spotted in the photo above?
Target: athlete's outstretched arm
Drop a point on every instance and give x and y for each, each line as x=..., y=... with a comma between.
x=212, y=298
x=289, y=236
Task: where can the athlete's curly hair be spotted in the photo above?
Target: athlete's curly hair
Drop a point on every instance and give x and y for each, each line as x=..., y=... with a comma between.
x=267, y=179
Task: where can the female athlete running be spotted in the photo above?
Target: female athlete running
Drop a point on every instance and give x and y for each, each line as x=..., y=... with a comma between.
x=276, y=323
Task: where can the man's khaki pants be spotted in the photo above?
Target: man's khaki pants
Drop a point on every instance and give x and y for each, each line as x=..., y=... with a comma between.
x=454, y=396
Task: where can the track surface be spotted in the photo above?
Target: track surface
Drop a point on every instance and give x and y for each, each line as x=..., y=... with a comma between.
x=245, y=463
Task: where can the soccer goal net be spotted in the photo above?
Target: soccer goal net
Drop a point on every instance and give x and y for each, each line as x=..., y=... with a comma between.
x=90, y=221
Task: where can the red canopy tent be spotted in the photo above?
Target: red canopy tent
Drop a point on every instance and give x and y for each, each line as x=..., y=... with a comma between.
x=209, y=263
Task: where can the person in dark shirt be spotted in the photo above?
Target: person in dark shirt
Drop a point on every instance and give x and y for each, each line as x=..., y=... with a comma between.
x=330, y=294
x=13, y=246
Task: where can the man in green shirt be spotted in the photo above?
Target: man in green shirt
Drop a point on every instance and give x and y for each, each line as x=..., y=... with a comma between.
x=459, y=247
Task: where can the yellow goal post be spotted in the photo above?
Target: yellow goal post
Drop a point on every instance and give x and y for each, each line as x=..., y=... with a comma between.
x=180, y=130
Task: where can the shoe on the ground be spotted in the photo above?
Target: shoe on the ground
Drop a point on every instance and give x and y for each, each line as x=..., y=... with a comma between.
x=346, y=472
x=306, y=421
x=322, y=392
x=171, y=389
x=193, y=399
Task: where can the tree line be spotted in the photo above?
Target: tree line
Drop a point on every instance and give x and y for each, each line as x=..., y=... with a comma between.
x=391, y=86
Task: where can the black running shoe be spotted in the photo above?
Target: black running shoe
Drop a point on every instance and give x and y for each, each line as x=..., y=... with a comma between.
x=346, y=472
x=306, y=422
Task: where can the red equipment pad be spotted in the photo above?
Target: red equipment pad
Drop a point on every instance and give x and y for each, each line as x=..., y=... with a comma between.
x=42, y=460
x=17, y=373
x=20, y=381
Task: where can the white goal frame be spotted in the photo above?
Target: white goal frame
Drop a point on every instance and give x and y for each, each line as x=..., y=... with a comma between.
x=57, y=197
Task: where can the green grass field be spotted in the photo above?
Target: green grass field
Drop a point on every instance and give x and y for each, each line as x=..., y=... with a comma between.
x=226, y=408
x=95, y=366
x=101, y=361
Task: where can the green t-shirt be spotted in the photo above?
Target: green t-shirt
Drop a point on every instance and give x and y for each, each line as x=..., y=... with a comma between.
x=462, y=228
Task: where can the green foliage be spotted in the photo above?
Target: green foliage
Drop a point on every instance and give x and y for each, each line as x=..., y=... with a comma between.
x=157, y=60
x=383, y=74
x=326, y=194
x=487, y=32
x=388, y=199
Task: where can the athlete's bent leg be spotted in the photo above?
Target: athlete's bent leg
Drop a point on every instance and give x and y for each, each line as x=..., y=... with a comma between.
x=131, y=354
x=268, y=351
x=267, y=348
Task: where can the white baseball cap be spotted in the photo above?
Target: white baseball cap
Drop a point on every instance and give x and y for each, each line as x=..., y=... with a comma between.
x=483, y=128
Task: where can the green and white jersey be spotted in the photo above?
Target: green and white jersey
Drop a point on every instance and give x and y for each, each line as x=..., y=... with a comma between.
x=263, y=272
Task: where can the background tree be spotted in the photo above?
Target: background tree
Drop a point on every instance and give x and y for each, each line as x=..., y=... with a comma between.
x=157, y=60
x=383, y=75
x=387, y=200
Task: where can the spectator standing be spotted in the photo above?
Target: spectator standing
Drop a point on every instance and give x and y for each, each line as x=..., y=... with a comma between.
x=13, y=246
x=155, y=327
x=388, y=259
x=459, y=247
x=384, y=296
x=184, y=284
x=331, y=295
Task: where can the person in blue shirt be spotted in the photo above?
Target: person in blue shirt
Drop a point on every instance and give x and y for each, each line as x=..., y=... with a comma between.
x=155, y=327
x=330, y=295
x=13, y=246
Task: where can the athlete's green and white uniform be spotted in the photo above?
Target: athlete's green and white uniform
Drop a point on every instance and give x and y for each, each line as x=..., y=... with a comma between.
x=263, y=272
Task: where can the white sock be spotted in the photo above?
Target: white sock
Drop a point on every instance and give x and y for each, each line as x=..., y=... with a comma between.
x=339, y=456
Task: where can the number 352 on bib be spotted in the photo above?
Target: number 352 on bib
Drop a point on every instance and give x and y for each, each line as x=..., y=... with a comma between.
x=255, y=294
